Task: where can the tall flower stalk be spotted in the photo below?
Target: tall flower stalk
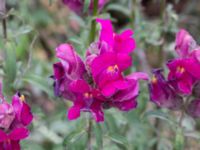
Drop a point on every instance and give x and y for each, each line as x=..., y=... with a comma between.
x=93, y=23
x=178, y=92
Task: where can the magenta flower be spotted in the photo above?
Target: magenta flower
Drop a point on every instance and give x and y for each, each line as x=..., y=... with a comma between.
x=109, y=57
x=77, y=5
x=6, y=112
x=70, y=68
x=107, y=72
x=119, y=43
x=11, y=140
x=23, y=115
x=184, y=43
x=71, y=62
x=183, y=74
x=14, y=118
x=87, y=99
x=161, y=92
x=125, y=99
x=99, y=82
x=6, y=115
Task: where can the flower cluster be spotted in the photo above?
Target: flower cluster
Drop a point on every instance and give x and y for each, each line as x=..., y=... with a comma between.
x=99, y=81
x=14, y=119
x=78, y=5
x=183, y=77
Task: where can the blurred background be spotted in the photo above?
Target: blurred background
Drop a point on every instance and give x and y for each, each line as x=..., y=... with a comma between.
x=34, y=30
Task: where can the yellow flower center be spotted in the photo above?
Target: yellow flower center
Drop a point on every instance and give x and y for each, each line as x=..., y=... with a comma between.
x=112, y=69
x=180, y=69
x=154, y=80
x=87, y=95
x=22, y=98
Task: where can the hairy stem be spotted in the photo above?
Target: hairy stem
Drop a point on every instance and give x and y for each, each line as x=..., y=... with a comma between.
x=89, y=141
x=2, y=16
x=4, y=26
x=93, y=23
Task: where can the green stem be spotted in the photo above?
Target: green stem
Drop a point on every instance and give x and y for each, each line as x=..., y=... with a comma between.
x=163, y=8
x=93, y=23
x=133, y=4
x=4, y=27
x=89, y=142
x=180, y=139
x=2, y=16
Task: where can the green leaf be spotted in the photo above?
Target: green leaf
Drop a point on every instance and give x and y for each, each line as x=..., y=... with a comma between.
x=25, y=29
x=99, y=135
x=111, y=123
x=39, y=82
x=73, y=137
x=10, y=67
x=179, y=140
x=160, y=115
x=86, y=5
x=119, y=8
x=120, y=140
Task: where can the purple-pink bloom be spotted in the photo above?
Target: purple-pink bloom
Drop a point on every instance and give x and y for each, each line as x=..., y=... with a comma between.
x=98, y=82
x=10, y=141
x=125, y=99
x=6, y=115
x=78, y=5
x=23, y=114
x=70, y=68
x=14, y=118
x=87, y=99
x=162, y=93
x=71, y=62
x=107, y=72
x=184, y=43
x=183, y=74
x=119, y=43
x=6, y=112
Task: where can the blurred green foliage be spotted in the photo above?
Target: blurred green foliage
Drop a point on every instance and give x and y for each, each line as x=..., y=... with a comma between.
x=35, y=28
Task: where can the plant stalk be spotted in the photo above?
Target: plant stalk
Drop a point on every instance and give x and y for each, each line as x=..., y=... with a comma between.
x=89, y=141
x=4, y=27
x=93, y=23
x=3, y=18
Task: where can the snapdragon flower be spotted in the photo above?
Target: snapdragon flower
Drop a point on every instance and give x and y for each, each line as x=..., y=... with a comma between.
x=98, y=82
x=14, y=119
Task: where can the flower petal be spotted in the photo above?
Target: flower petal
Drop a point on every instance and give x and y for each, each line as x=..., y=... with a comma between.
x=26, y=114
x=184, y=43
x=128, y=93
x=18, y=134
x=79, y=86
x=72, y=63
x=124, y=43
x=58, y=70
x=126, y=105
x=75, y=111
x=97, y=112
x=3, y=136
x=124, y=61
x=101, y=62
x=106, y=33
x=113, y=87
x=138, y=75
